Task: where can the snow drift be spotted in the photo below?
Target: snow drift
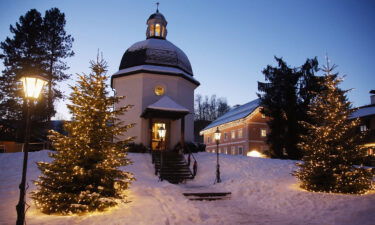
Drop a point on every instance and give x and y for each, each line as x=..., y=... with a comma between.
x=263, y=192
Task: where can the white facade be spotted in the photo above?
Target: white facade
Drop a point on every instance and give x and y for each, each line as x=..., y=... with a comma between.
x=156, y=77
x=138, y=90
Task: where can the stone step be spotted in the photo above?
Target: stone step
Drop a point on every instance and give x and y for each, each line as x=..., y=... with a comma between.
x=174, y=169
x=208, y=196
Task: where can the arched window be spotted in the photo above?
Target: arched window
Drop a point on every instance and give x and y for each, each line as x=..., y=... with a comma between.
x=157, y=30
x=152, y=30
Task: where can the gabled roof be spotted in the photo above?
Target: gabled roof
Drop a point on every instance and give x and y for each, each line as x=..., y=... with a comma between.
x=235, y=114
x=167, y=104
x=363, y=111
x=165, y=107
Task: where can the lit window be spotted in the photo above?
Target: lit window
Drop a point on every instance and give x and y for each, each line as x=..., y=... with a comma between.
x=225, y=149
x=240, y=150
x=363, y=128
x=225, y=135
x=152, y=30
x=240, y=133
x=208, y=140
x=157, y=30
x=263, y=133
x=233, y=149
x=263, y=116
x=233, y=134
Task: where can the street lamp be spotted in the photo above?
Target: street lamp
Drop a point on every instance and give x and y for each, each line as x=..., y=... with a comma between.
x=32, y=86
x=161, y=132
x=217, y=136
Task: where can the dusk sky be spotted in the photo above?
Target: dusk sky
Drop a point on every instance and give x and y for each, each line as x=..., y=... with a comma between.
x=228, y=42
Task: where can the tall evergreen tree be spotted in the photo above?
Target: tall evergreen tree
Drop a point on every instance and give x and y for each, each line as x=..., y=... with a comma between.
x=332, y=143
x=284, y=97
x=84, y=174
x=37, y=47
x=22, y=55
x=58, y=46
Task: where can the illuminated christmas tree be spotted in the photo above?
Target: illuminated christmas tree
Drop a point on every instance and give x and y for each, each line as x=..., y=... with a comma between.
x=332, y=150
x=84, y=174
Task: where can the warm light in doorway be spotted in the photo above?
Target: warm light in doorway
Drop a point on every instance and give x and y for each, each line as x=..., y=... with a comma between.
x=255, y=153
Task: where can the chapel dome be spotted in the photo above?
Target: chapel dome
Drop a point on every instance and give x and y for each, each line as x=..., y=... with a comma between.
x=155, y=51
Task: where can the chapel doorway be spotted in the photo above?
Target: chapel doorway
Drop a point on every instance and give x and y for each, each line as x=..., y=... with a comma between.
x=157, y=142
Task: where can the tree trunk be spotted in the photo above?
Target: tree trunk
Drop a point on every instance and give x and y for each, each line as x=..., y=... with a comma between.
x=50, y=102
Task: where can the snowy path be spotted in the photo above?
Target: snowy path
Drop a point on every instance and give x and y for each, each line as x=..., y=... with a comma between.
x=263, y=192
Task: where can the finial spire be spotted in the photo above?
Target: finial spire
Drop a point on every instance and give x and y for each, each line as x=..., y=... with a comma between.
x=157, y=7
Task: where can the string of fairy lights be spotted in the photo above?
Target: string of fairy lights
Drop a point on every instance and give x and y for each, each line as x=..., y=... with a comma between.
x=332, y=152
x=84, y=175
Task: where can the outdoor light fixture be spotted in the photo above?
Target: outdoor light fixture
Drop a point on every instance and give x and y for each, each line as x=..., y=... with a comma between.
x=161, y=132
x=217, y=136
x=32, y=85
x=255, y=153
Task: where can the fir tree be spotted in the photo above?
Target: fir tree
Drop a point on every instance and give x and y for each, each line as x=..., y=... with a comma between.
x=22, y=54
x=57, y=45
x=332, y=143
x=84, y=174
x=284, y=97
x=37, y=46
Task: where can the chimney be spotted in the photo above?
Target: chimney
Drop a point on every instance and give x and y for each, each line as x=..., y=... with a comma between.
x=372, y=96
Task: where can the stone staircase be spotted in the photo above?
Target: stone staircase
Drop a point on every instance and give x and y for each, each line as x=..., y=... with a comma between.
x=171, y=166
x=208, y=196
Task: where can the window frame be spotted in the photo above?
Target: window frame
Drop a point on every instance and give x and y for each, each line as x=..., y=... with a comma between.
x=233, y=133
x=240, y=147
x=263, y=132
x=240, y=131
x=233, y=149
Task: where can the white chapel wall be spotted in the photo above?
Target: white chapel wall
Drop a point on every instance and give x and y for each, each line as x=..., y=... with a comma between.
x=139, y=91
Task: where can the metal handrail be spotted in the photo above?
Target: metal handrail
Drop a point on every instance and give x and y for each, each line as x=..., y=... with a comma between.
x=195, y=165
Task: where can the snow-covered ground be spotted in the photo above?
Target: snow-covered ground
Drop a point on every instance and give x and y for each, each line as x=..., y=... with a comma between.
x=263, y=192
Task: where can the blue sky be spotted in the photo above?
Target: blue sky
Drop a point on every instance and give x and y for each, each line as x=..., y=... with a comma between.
x=228, y=42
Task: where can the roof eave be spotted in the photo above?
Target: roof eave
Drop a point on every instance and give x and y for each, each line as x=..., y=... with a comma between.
x=142, y=70
x=218, y=125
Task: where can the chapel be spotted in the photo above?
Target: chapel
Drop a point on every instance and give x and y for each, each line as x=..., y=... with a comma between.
x=156, y=77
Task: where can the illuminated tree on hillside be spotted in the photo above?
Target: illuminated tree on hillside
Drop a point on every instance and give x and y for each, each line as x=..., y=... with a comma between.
x=332, y=150
x=84, y=174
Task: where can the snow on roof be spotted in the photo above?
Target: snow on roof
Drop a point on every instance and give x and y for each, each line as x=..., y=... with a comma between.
x=235, y=114
x=155, y=51
x=362, y=112
x=167, y=104
x=156, y=43
x=154, y=68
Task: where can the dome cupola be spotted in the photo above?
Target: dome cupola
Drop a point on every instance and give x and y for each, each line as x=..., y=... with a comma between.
x=156, y=25
x=156, y=54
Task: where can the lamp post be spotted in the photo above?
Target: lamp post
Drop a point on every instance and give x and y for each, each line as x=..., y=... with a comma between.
x=217, y=136
x=32, y=86
x=162, y=132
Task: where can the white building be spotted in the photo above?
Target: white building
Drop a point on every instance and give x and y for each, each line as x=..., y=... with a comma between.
x=156, y=77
